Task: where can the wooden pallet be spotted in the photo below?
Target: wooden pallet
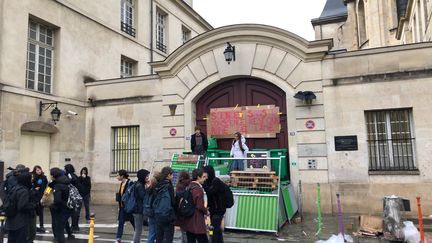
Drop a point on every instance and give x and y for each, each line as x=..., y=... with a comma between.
x=273, y=179
x=253, y=173
x=254, y=179
x=254, y=185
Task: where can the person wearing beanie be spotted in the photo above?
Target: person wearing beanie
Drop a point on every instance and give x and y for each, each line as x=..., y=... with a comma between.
x=18, y=224
x=59, y=209
x=140, y=193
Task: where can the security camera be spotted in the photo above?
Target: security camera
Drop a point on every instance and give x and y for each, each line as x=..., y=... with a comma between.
x=72, y=113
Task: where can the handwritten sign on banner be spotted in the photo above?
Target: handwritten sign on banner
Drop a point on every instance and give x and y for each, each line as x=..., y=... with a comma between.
x=224, y=122
x=251, y=121
x=261, y=122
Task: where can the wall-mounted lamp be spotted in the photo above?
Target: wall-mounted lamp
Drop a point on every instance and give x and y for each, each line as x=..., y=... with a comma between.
x=306, y=96
x=55, y=113
x=172, y=109
x=229, y=53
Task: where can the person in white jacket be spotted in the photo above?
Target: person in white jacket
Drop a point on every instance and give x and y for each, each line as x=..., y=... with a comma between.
x=238, y=151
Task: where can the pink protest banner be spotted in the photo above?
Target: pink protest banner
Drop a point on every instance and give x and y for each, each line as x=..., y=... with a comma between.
x=224, y=122
x=251, y=121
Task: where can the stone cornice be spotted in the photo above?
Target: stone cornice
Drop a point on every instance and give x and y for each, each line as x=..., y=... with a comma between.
x=243, y=33
x=140, y=78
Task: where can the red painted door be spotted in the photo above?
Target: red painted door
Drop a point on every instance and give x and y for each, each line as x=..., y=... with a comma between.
x=245, y=92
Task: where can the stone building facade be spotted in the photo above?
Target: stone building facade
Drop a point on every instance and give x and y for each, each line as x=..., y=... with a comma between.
x=374, y=92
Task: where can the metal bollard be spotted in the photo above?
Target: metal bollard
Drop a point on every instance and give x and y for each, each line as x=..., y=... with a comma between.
x=340, y=216
x=319, y=219
x=91, y=228
x=2, y=225
x=420, y=220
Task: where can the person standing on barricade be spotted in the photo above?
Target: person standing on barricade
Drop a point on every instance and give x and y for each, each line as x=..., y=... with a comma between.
x=238, y=151
x=199, y=143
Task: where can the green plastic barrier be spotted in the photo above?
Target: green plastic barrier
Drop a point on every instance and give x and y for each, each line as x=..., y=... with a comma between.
x=212, y=143
x=225, y=154
x=276, y=153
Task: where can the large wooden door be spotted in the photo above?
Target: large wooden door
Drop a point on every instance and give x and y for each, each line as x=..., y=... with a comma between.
x=245, y=92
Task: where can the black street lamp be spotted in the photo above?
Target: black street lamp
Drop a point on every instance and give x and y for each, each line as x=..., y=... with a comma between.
x=229, y=53
x=55, y=113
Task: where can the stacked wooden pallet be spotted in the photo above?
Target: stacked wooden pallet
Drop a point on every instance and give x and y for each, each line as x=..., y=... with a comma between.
x=254, y=179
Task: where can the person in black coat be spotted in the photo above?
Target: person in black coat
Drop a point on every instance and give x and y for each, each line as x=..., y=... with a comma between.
x=74, y=180
x=60, y=212
x=40, y=183
x=213, y=187
x=140, y=193
x=18, y=224
x=165, y=231
x=85, y=182
x=199, y=143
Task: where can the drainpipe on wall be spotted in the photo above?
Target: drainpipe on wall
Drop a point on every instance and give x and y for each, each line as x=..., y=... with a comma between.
x=151, y=35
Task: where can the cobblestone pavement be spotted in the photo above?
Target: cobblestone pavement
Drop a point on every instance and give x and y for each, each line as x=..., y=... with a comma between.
x=303, y=232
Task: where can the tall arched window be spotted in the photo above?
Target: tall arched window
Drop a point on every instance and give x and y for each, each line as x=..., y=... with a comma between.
x=361, y=23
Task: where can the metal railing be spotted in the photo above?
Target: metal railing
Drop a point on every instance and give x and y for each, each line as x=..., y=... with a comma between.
x=392, y=155
x=160, y=46
x=128, y=29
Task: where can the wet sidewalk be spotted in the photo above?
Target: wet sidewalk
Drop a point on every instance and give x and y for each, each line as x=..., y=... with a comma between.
x=106, y=226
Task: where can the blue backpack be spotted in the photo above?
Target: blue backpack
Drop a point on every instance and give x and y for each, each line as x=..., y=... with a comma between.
x=163, y=210
x=128, y=198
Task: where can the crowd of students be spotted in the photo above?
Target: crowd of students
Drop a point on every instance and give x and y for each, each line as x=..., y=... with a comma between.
x=155, y=199
x=25, y=194
x=151, y=200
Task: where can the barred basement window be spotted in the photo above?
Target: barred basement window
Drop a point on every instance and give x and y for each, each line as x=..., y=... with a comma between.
x=127, y=17
x=160, y=31
x=390, y=140
x=125, y=148
x=40, y=48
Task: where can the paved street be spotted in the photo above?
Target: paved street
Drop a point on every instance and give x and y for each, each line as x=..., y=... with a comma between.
x=305, y=232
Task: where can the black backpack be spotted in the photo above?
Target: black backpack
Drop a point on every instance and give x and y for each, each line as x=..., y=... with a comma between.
x=10, y=202
x=186, y=207
x=227, y=196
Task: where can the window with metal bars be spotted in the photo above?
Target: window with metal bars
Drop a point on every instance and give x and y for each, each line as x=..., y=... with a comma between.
x=390, y=141
x=40, y=50
x=125, y=148
x=127, y=17
x=160, y=31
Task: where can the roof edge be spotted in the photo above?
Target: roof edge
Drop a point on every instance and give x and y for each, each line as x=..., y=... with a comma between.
x=194, y=14
x=329, y=20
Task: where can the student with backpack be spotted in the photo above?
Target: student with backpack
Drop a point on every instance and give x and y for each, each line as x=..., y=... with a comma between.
x=123, y=177
x=140, y=193
x=219, y=198
x=164, y=206
x=18, y=208
x=40, y=183
x=183, y=182
x=60, y=212
x=195, y=225
x=74, y=180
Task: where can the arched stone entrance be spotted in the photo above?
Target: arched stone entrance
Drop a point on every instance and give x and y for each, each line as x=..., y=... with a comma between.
x=245, y=91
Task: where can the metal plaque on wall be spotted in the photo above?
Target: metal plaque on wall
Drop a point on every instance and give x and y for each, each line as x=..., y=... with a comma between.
x=346, y=143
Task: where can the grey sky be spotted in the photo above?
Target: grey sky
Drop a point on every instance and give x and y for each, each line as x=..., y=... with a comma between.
x=291, y=15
